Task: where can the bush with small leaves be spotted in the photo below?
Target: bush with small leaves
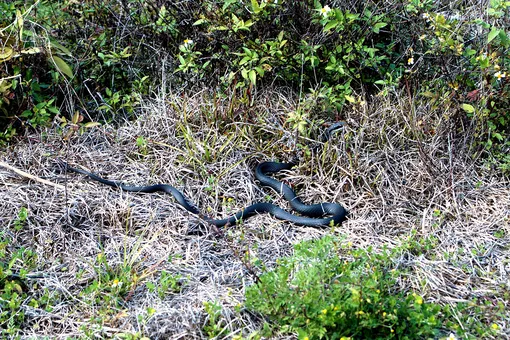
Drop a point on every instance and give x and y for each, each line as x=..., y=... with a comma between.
x=327, y=289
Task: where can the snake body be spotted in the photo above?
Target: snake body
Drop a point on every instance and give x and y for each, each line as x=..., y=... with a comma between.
x=315, y=213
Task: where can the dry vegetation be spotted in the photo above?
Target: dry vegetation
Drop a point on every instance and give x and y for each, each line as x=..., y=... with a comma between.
x=400, y=181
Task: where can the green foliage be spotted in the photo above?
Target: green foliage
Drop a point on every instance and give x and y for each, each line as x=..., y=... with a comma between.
x=215, y=324
x=15, y=294
x=141, y=143
x=75, y=125
x=19, y=223
x=167, y=283
x=110, y=285
x=479, y=318
x=327, y=289
x=34, y=68
x=39, y=80
x=476, y=66
x=336, y=46
x=103, y=56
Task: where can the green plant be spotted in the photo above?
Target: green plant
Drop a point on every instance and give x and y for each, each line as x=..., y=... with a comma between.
x=188, y=59
x=215, y=324
x=417, y=245
x=167, y=283
x=41, y=113
x=35, y=66
x=75, y=125
x=299, y=122
x=109, y=289
x=115, y=102
x=477, y=68
x=20, y=222
x=141, y=143
x=327, y=289
x=15, y=293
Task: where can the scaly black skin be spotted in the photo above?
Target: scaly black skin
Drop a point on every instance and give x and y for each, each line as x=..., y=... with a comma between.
x=315, y=212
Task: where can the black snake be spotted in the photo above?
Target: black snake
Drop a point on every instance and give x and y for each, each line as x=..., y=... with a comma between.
x=315, y=213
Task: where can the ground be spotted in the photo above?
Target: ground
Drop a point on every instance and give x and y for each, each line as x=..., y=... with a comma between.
x=402, y=171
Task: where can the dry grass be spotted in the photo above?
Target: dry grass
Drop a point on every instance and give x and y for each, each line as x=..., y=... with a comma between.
x=399, y=182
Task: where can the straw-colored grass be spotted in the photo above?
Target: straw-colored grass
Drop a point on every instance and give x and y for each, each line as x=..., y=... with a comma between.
x=398, y=180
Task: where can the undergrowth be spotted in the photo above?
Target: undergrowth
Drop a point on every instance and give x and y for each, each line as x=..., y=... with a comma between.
x=444, y=69
x=65, y=58
x=328, y=289
x=18, y=290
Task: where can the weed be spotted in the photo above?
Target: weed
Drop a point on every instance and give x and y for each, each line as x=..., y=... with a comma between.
x=214, y=325
x=20, y=222
x=15, y=292
x=328, y=288
x=167, y=283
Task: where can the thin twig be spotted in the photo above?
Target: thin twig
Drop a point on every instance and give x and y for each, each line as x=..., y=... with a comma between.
x=27, y=175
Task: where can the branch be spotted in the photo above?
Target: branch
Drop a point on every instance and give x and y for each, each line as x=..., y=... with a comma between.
x=27, y=175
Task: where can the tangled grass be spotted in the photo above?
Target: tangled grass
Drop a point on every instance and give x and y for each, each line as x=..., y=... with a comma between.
x=114, y=264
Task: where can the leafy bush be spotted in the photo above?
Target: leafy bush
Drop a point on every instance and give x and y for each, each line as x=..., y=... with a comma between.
x=98, y=58
x=57, y=62
x=472, y=56
x=328, y=289
x=33, y=70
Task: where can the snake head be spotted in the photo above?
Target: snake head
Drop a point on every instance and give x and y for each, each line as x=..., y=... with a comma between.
x=332, y=129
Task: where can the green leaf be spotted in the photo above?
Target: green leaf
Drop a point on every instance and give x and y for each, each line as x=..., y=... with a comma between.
x=247, y=51
x=62, y=66
x=91, y=124
x=255, y=6
x=244, y=73
x=468, y=108
x=6, y=53
x=350, y=98
x=482, y=23
x=19, y=21
x=428, y=94
x=26, y=114
x=492, y=34
x=498, y=136
x=378, y=26
x=253, y=77
x=259, y=70
x=227, y=4
x=199, y=22
x=62, y=49
x=330, y=25
x=53, y=109
x=504, y=38
x=244, y=60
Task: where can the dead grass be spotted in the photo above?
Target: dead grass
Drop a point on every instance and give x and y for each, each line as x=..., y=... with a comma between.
x=399, y=181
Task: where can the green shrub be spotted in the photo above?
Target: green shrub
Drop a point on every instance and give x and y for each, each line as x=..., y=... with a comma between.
x=99, y=58
x=56, y=62
x=33, y=69
x=330, y=290
x=472, y=55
